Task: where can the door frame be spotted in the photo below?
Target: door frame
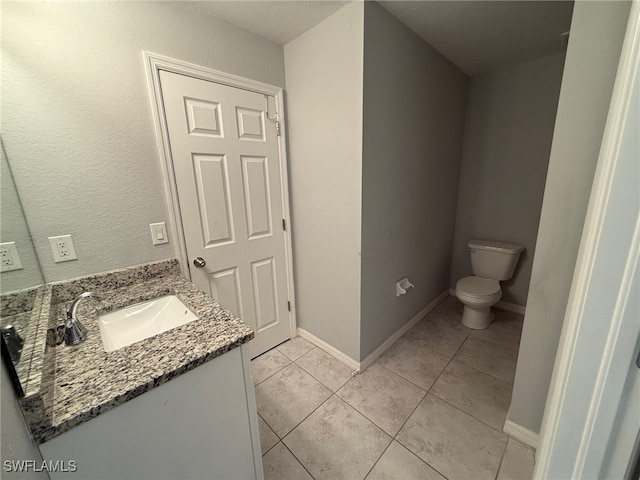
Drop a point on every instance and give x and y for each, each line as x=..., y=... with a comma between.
x=594, y=357
x=153, y=63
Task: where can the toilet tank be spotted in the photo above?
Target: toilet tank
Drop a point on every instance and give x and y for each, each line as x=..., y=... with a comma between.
x=494, y=260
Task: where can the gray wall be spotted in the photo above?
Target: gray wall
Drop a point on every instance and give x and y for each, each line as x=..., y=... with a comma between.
x=77, y=124
x=324, y=108
x=414, y=104
x=509, y=126
x=597, y=31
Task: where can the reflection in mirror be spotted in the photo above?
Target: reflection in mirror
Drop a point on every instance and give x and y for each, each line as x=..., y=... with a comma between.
x=21, y=280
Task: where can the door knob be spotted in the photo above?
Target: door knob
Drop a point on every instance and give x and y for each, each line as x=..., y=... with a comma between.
x=199, y=262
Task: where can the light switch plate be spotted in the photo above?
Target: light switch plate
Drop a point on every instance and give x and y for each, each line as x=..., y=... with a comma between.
x=63, y=248
x=10, y=260
x=159, y=233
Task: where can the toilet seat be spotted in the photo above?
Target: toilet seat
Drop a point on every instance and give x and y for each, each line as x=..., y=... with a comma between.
x=478, y=291
x=478, y=287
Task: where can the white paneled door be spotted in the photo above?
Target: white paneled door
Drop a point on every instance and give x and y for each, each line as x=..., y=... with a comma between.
x=226, y=163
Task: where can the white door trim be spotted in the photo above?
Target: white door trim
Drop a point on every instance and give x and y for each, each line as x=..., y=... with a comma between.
x=559, y=446
x=153, y=63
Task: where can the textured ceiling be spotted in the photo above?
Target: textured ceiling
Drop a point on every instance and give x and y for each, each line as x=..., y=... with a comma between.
x=478, y=36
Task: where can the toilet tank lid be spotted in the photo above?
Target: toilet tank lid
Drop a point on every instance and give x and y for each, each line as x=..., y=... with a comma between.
x=510, y=248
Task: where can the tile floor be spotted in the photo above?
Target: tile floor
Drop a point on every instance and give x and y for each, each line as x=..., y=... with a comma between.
x=431, y=407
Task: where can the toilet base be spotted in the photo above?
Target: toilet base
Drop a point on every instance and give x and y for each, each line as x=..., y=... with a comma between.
x=477, y=318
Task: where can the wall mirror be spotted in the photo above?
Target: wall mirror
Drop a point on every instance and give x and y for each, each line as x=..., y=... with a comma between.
x=21, y=281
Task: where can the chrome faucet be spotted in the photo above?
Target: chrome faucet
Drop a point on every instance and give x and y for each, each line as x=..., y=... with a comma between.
x=76, y=332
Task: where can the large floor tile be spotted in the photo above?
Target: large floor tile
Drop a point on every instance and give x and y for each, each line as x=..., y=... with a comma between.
x=267, y=437
x=337, y=442
x=476, y=393
x=439, y=338
x=279, y=464
x=453, y=442
x=449, y=314
x=513, y=318
x=518, y=462
x=287, y=397
x=382, y=396
x=414, y=362
x=267, y=364
x=295, y=348
x=501, y=333
x=330, y=371
x=399, y=463
x=488, y=357
x=450, y=304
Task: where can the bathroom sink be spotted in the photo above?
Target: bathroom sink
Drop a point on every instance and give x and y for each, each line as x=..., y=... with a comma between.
x=144, y=320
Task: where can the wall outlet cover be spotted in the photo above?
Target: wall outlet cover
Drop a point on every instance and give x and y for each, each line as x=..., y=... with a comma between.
x=9, y=258
x=62, y=248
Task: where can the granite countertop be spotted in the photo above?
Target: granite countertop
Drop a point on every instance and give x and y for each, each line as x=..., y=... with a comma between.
x=23, y=310
x=81, y=382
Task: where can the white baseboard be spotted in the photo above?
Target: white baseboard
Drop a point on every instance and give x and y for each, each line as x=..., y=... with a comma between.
x=509, y=307
x=373, y=356
x=334, y=352
x=521, y=433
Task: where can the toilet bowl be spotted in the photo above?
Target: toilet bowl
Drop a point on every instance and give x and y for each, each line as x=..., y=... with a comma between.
x=478, y=296
x=491, y=262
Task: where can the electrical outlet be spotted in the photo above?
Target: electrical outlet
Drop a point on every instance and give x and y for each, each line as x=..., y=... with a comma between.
x=9, y=258
x=62, y=248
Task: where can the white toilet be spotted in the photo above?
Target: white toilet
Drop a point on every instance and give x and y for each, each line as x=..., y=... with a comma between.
x=491, y=263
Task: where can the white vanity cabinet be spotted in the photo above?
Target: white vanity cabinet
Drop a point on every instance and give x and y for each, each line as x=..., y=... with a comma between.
x=202, y=424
